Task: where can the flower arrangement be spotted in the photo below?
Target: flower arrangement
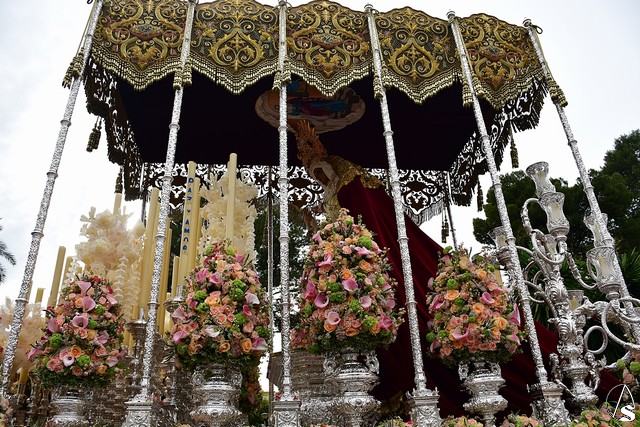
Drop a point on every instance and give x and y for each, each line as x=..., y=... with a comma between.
x=514, y=420
x=629, y=371
x=474, y=316
x=33, y=321
x=6, y=411
x=224, y=318
x=82, y=342
x=347, y=296
x=452, y=421
x=395, y=422
x=595, y=417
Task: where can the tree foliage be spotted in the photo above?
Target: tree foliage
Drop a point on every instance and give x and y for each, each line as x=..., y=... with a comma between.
x=298, y=241
x=4, y=253
x=617, y=188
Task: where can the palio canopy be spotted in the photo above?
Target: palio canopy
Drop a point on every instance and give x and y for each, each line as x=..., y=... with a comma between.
x=230, y=106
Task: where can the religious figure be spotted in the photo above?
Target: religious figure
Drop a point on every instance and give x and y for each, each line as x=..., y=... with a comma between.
x=347, y=185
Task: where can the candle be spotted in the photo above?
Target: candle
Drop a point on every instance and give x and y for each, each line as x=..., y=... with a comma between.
x=196, y=226
x=174, y=274
x=57, y=275
x=164, y=279
x=231, y=195
x=117, y=203
x=187, y=235
x=146, y=267
x=23, y=375
x=39, y=293
x=167, y=317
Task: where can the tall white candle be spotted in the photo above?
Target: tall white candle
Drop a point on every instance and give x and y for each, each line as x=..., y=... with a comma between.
x=196, y=226
x=187, y=237
x=57, y=275
x=231, y=195
x=117, y=203
x=39, y=294
x=148, y=252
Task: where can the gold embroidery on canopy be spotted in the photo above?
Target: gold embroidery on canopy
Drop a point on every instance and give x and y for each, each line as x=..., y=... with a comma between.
x=235, y=42
x=418, y=52
x=328, y=45
x=138, y=40
x=502, y=58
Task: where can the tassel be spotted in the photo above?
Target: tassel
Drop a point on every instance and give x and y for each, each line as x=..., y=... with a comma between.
x=177, y=80
x=557, y=95
x=119, y=181
x=480, y=198
x=515, y=163
x=186, y=73
x=94, y=136
x=74, y=70
x=445, y=230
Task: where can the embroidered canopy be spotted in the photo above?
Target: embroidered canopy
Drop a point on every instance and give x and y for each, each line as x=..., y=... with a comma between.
x=232, y=64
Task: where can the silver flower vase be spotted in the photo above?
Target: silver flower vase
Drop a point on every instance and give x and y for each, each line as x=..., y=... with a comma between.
x=69, y=406
x=216, y=393
x=483, y=380
x=352, y=375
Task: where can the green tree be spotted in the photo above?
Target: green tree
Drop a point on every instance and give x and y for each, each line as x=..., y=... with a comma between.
x=298, y=241
x=4, y=253
x=617, y=187
x=517, y=188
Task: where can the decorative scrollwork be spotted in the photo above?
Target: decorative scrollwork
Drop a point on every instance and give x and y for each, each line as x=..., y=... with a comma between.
x=328, y=45
x=234, y=42
x=502, y=58
x=140, y=40
x=418, y=52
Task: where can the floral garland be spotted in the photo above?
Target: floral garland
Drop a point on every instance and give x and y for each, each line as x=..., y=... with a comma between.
x=475, y=317
x=82, y=342
x=347, y=296
x=225, y=317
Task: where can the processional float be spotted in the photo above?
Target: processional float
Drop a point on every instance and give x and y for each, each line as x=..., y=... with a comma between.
x=223, y=74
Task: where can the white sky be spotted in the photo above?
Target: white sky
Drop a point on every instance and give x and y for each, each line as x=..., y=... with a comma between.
x=593, y=52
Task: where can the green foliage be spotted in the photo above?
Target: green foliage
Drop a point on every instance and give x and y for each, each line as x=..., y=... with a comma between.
x=4, y=253
x=617, y=186
x=298, y=242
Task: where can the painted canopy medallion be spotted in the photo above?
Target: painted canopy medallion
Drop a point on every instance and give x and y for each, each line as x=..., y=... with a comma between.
x=305, y=102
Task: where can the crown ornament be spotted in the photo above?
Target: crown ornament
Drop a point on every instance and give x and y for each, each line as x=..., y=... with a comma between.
x=310, y=149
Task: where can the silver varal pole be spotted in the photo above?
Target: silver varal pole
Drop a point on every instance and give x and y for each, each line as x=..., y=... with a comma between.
x=549, y=402
x=38, y=232
x=607, y=239
x=269, y=225
x=139, y=409
x=424, y=402
x=286, y=410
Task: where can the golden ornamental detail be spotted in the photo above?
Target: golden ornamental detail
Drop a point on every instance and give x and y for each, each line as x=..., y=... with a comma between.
x=328, y=45
x=235, y=42
x=501, y=56
x=140, y=40
x=418, y=52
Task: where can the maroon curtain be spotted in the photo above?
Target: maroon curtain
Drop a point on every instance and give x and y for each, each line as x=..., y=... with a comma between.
x=376, y=210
